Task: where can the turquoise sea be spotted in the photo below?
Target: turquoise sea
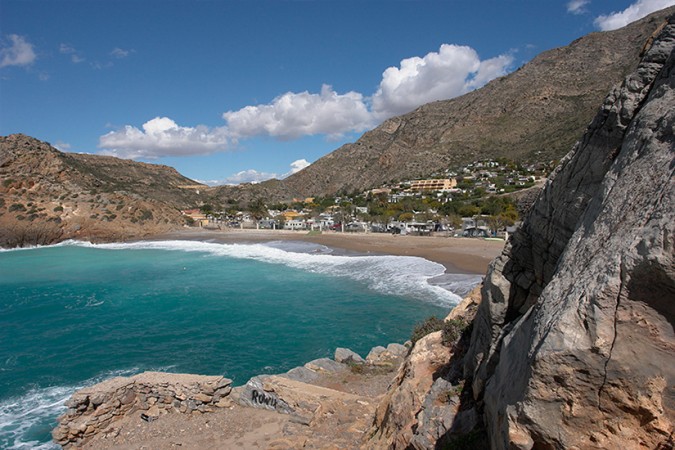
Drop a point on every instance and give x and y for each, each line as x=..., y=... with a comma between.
x=76, y=313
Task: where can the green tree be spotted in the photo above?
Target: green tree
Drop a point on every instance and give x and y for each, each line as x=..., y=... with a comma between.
x=468, y=210
x=258, y=210
x=406, y=217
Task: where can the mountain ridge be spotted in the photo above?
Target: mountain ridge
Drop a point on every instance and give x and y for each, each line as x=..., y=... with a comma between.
x=536, y=112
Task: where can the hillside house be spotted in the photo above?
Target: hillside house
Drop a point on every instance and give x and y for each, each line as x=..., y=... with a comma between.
x=443, y=184
x=199, y=219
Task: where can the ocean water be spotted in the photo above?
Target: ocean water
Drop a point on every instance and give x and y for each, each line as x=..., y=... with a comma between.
x=76, y=313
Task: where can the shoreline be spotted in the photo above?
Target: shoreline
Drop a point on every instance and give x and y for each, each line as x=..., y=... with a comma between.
x=469, y=256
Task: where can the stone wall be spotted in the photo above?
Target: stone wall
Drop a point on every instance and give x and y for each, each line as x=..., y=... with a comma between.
x=150, y=394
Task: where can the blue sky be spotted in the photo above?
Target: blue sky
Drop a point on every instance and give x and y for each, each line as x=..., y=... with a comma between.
x=236, y=91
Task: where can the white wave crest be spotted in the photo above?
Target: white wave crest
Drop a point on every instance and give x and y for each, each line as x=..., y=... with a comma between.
x=393, y=275
x=25, y=419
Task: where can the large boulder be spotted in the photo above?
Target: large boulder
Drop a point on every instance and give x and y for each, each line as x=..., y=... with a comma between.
x=347, y=356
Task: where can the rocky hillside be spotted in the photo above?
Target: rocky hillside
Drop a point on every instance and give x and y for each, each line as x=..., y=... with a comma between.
x=572, y=345
x=535, y=114
x=47, y=195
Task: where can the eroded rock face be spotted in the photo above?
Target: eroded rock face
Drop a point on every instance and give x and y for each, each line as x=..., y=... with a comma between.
x=422, y=404
x=573, y=345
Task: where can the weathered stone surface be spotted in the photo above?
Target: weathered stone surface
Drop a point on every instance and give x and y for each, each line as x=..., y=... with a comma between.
x=326, y=365
x=346, y=356
x=390, y=356
x=396, y=416
x=422, y=405
x=375, y=353
x=91, y=410
x=288, y=396
x=397, y=350
x=301, y=374
x=257, y=393
x=573, y=345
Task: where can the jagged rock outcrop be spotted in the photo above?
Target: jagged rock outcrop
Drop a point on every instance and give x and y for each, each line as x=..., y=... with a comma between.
x=573, y=345
x=423, y=403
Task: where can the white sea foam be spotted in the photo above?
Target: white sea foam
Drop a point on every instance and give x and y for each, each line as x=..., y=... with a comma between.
x=394, y=275
x=24, y=419
x=460, y=284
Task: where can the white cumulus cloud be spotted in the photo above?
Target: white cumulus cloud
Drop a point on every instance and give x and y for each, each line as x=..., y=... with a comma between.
x=18, y=53
x=296, y=166
x=450, y=72
x=292, y=115
x=162, y=136
x=636, y=11
x=254, y=176
x=577, y=6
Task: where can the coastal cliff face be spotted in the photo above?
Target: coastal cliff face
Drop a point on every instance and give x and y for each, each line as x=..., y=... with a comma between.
x=573, y=344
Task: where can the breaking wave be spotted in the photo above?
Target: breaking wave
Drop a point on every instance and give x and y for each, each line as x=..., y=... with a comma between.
x=407, y=276
x=25, y=420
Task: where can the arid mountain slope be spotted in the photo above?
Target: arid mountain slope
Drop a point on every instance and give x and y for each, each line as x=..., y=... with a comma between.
x=536, y=114
x=47, y=195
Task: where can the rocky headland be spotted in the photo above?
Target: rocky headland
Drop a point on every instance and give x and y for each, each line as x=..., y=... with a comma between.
x=48, y=196
x=571, y=346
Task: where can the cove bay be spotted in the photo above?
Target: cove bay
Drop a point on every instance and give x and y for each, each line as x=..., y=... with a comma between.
x=76, y=313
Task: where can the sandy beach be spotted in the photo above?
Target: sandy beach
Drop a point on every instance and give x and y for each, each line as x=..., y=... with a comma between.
x=458, y=255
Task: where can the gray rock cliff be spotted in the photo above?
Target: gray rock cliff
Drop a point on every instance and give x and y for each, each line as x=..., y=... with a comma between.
x=573, y=343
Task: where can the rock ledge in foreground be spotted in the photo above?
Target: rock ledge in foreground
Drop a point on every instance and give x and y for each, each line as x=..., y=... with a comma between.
x=150, y=394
